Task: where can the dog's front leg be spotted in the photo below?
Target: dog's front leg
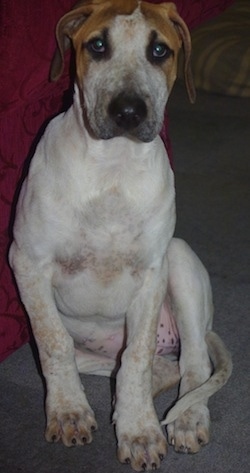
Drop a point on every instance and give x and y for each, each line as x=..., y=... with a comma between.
x=140, y=438
x=69, y=416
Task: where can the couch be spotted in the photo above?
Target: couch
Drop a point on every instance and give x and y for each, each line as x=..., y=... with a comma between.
x=27, y=100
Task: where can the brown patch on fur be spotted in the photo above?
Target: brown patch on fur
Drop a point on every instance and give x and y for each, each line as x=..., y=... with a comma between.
x=167, y=22
x=160, y=20
x=98, y=17
x=106, y=269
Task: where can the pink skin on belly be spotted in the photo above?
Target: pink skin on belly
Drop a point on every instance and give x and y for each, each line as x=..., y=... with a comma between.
x=167, y=338
x=167, y=333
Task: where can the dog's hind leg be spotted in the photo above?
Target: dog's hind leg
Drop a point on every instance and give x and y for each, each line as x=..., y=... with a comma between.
x=166, y=374
x=222, y=363
x=190, y=293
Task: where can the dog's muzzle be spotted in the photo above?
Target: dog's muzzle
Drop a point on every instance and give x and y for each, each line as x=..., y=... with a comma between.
x=127, y=112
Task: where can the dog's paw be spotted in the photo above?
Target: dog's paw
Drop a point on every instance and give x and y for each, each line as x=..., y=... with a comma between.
x=143, y=452
x=72, y=428
x=191, y=430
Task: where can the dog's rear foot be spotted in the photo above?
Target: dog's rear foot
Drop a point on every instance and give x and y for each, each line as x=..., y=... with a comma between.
x=72, y=428
x=191, y=430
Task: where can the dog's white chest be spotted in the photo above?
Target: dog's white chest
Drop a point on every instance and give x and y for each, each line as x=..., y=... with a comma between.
x=107, y=238
x=102, y=265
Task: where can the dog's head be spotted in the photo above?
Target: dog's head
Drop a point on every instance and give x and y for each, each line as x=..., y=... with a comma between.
x=126, y=63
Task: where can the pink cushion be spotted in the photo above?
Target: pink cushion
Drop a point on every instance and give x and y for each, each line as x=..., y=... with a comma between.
x=27, y=100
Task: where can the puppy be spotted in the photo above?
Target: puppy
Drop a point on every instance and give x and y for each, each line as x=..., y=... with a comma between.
x=107, y=288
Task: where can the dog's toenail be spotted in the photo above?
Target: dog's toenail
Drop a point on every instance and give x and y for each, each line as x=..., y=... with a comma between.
x=161, y=456
x=154, y=466
x=93, y=428
x=53, y=438
x=144, y=466
x=73, y=441
x=84, y=440
x=128, y=461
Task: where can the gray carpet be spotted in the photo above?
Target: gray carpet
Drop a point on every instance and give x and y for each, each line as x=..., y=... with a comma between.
x=212, y=163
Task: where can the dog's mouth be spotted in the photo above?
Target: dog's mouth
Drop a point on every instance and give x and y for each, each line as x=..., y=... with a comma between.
x=125, y=115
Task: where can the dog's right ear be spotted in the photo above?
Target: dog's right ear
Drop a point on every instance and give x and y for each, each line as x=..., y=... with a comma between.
x=66, y=26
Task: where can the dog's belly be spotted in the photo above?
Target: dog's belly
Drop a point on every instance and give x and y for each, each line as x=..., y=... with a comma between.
x=85, y=295
x=93, y=298
x=103, y=331
x=98, y=335
x=108, y=340
x=93, y=306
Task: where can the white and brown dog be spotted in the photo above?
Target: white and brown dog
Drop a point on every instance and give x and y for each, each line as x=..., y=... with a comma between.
x=107, y=288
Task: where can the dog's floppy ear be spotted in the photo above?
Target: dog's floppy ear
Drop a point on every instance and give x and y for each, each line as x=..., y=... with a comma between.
x=66, y=26
x=183, y=31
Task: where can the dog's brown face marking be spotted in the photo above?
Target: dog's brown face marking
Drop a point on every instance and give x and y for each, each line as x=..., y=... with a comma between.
x=98, y=25
x=126, y=62
x=95, y=27
x=122, y=78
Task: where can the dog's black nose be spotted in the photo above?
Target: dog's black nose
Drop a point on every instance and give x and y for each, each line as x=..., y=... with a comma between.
x=127, y=111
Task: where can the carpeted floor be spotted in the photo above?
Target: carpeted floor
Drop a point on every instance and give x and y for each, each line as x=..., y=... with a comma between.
x=211, y=142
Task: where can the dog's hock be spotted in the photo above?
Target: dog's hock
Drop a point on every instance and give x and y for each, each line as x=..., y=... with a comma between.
x=127, y=111
x=222, y=362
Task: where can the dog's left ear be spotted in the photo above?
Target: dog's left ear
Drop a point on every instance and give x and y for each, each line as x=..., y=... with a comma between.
x=183, y=32
x=66, y=26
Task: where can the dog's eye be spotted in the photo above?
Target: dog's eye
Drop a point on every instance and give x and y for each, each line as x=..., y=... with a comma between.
x=97, y=45
x=160, y=50
x=157, y=52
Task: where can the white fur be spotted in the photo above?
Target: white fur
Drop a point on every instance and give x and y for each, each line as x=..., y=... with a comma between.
x=94, y=258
